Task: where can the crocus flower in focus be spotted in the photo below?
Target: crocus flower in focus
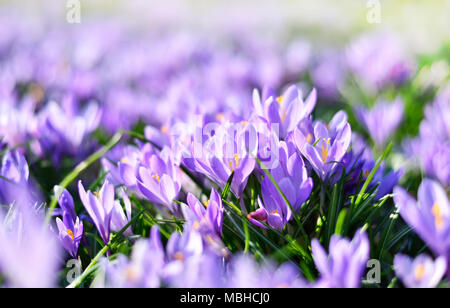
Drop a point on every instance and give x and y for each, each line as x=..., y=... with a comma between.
x=70, y=233
x=345, y=264
x=208, y=216
x=159, y=181
x=99, y=207
x=421, y=272
x=382, y=120
x=223, y=154
x=286, y=110
x=429, y=216
x=292, y=178
x=324, y=145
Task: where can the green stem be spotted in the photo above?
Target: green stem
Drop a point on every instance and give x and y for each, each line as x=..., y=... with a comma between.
x=94, y=261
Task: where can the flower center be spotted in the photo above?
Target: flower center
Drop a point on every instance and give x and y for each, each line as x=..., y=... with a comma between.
x=156, y=177
x=236, y=160
x=178, y=256
x=325, y=150
x=70, y=233
x=419, y=272
x=438, y=217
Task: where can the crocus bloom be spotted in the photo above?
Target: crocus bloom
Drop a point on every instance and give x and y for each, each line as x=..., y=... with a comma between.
x=246, y=273
x=99, y=207
x=382, y=120
x=345, y=264
x=292, y=178
x=324, y=145
x=421, y=272
x=30, y=252
x=70, y=233
x=223, y=154
x=286, y=110
x=159, y=181
x=378, y=59
x=65, y=201
x=120, y=218
x=144, y=269
x=208, y=216
x=430, y=216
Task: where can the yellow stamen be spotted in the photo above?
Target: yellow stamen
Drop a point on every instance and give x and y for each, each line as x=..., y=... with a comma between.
x=196, y=225
x=309, y=138
x=279, y=99
x=325, y=150
x=236, y=160
x=97, y=194
x=220, y=117
x=164, y=129
x=124, y=160
x=244, y=123
x=419, y=272
x=70, y=233
x=275, y=212
x=178, y=256
x=206, y=203
x=156, y=177
x=438, y=217
x=366, y=173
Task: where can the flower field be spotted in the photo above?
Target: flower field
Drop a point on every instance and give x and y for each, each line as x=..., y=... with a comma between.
x=248, y=152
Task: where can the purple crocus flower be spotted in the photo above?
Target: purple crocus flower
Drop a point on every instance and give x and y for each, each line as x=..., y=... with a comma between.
x=378, y=59
x=324, y=145
x=246, y=273
x=144, y=269
x=120, y=218
x=224, y=152
x=70, y=233
x=286, y=110
x=345, y=264
x=205, y=217
x=292, y=178
x=382, y=120
x=430, y=216
x=99, y=207
x=65, y=201
x=30, y=252
x=421, y=272
x=159, y=181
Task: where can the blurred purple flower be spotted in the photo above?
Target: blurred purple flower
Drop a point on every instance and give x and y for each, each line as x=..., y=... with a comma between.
x=30, y=252
x=246, y=273
x=429, y=216
x=345, y=264
x=382, y=120
x=421, y=272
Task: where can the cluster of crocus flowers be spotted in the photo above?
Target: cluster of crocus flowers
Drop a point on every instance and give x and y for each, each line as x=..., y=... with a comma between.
x=429, y=216
x=324, y=145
